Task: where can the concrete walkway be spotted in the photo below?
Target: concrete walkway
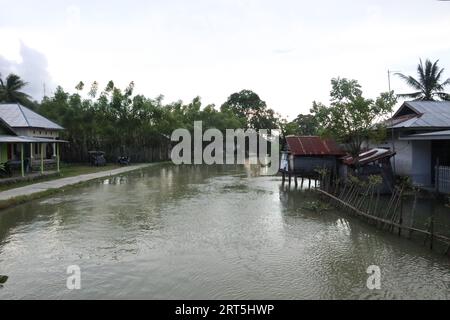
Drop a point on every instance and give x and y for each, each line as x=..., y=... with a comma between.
x=64, y=182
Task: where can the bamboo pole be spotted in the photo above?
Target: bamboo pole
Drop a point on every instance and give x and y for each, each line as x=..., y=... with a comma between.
x=400, y=220
x=413, y=210
x=388, y=222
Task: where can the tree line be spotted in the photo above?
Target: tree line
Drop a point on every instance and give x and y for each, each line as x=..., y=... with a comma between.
x=119, y=122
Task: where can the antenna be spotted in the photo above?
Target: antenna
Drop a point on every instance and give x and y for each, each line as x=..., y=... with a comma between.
x=44, y=90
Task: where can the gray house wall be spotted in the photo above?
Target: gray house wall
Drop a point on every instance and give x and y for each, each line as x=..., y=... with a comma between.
x=421, y=164
x=402, y=162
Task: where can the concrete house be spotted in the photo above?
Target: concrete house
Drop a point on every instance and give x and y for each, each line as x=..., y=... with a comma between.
x=419, y=134
x=27, y=139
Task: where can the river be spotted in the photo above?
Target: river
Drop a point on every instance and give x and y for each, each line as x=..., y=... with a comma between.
x=205, y=232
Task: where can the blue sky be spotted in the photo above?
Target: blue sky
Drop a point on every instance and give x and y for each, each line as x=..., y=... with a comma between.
x=286, y=51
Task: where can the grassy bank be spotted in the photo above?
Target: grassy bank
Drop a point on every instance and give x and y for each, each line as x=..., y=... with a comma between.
x=66, y=170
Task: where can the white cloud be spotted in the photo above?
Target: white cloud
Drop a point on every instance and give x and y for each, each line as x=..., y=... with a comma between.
x=73, y=16
x=287, y=51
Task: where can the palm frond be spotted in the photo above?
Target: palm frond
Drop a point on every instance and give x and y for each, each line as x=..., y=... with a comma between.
x=410, y=81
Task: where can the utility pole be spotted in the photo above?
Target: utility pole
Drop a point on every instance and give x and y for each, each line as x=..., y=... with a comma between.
x=392, y=122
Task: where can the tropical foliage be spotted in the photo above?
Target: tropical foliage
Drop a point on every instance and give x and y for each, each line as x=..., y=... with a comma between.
x=429, y=85
x=116, y=118
x=11, y=90
x=351, y=118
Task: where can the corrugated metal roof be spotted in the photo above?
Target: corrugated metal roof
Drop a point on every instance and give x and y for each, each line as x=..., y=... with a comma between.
x=368, y=156
x=18, y=116
x=436, y=135
x=428, y=114
x=6, y=127
x=313, y=146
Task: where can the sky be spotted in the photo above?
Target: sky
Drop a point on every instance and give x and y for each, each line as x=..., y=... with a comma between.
x=287, y=51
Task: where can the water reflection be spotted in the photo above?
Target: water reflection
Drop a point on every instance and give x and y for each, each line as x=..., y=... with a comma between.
x=195, y=232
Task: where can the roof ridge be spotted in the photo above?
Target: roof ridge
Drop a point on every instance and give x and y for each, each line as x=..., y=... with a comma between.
x=23, y=114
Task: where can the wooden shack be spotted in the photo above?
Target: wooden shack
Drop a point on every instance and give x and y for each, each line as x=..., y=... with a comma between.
x=375, y=162
x=305, y=155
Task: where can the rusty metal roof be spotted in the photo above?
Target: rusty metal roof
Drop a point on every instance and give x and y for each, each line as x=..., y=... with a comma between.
x=313, y=146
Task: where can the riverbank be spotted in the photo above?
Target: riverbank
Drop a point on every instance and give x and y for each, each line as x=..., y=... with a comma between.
x=25, y=193
x=67, y=170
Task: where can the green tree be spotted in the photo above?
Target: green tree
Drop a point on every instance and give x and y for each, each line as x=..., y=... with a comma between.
x=428, y=85
x=11, y=90
x=352, y=119
x=303, y=125
x=253, y=112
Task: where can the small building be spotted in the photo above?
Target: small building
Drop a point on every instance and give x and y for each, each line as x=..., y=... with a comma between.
x=27, y=139
x=304, y=155
x=373, y=162
x=419, y=134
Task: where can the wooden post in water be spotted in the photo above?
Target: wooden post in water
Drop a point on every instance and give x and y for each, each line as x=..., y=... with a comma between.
x=400, y=219
x=413, y=211
x=295, y=181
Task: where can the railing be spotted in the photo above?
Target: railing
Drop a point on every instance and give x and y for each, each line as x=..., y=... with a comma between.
x=443, y=179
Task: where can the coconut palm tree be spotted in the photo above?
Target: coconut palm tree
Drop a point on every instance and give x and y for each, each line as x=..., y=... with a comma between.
x=11, y=90
x=428, y=85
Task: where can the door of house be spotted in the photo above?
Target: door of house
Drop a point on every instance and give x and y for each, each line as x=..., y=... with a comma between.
x=9, y=152
x=439, y=152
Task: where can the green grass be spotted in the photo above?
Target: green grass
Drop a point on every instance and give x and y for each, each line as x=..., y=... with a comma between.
x=66, y=170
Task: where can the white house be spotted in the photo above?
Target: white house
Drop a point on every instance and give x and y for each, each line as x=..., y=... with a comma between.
x=26, y=122
x=28, y=139
x=419, y=133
